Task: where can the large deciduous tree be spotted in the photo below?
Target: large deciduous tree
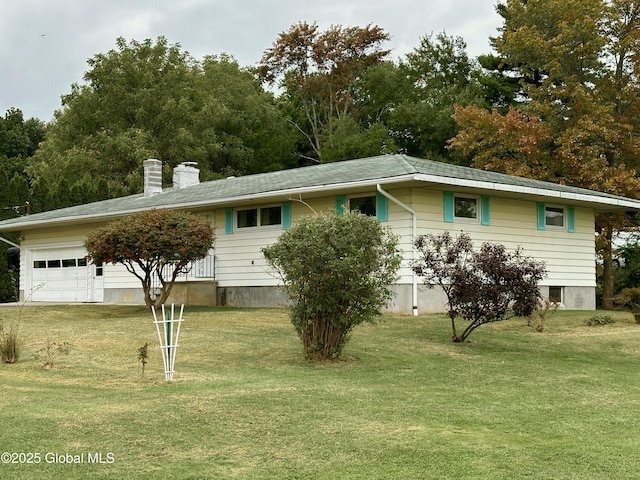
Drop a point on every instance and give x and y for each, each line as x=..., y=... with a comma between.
x=440, y=75
x=482, y=286
x=153, y=100
x=318, y=72
x=577, y=120
x=155, y=245
x=337, y=272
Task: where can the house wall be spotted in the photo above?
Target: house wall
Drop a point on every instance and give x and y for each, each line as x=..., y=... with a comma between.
x=244, y=278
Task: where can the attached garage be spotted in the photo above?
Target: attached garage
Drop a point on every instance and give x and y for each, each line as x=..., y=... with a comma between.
x=64, y=275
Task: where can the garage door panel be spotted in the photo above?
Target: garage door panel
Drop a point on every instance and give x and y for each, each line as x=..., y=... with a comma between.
x=63, y=280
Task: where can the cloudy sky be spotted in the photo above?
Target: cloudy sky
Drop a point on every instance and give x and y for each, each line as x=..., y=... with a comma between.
x=45, y=44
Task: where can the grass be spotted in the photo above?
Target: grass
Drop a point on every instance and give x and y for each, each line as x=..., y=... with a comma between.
x=405, y=402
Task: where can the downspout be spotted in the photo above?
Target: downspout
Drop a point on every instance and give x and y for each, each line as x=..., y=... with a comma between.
x=9, y=242
x=414, y=231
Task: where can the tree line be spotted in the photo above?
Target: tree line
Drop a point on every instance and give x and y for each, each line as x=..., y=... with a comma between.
x=557, y=99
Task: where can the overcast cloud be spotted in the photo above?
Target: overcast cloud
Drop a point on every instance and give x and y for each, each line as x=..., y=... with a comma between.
x=45, y=44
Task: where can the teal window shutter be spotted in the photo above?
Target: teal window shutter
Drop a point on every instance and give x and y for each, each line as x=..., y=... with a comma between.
x=448, y=206
x=382, y=207
x=485, y=213
x=228, y=220
x=571, y=219
x=286, y=215
x=341, y=204
x=541, y=216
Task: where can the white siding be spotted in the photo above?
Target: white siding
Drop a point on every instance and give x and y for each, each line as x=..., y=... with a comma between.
x=569, y=256
x=239, y=259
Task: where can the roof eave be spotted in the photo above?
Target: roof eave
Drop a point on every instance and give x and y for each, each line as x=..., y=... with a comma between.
x=290, y=192
x=607, y=203
x=598, y=202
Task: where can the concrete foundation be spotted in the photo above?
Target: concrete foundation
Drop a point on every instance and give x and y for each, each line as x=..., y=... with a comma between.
x=187, y=293
x=430, y=300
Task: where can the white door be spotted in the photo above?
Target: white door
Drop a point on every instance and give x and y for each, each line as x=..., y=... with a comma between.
x=95, y=283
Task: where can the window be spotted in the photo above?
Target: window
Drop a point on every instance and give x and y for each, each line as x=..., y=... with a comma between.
x=247, y=218
x=53, y=264
x=554, y=216
x=259, y=217
x=270, y=216
x=365, y=205
x=82, y=262
x=39, y=264
x=465, y=207
x=555, y=294
x=68, y=262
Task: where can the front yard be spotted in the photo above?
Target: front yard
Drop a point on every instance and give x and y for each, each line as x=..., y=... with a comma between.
x=405, y=402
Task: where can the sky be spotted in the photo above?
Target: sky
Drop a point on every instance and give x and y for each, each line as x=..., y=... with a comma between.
x=45, y=44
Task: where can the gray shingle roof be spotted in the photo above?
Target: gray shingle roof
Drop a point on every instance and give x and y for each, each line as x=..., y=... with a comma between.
x=380, y=169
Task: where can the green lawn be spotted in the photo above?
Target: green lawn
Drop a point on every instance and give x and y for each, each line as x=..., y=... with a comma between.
x=404, y=403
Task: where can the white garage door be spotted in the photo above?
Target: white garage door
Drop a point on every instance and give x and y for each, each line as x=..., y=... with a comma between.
x=63, y=274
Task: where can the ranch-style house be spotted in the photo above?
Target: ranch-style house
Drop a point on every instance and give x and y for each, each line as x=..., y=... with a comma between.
x=550, y=222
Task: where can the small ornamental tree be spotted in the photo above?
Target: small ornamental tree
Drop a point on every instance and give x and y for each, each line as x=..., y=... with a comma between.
x=483, y=286
x=155, y=245
x=337, y=272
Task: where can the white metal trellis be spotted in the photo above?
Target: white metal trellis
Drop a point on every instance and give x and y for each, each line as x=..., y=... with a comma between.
x=168, y=341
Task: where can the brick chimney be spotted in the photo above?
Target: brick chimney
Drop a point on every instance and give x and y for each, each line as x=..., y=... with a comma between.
x=185, y=175
x=152, y=177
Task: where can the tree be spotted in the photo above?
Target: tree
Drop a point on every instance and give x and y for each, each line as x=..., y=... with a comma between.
x=337, y=272
x=440, y=75
x=318, y=72
x=483, y=286
x=576, y=122
x=19, y=139
x=153, y=100
x=153, y=245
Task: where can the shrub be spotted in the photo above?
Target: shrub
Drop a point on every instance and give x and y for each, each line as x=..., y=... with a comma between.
x=11, y=343
x=143, y=355
x=483, y=286
x=337, y=272
x=537, y=320
x=630, y=298
x=51, y=351
x=599, y=320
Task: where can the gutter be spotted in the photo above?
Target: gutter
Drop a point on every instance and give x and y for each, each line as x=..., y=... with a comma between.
x=146, y=203
x=215, y=203
x=602, y=199
x=9, y=242
x=414, y=231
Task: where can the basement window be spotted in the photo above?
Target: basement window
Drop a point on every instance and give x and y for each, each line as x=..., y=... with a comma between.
x=555, y=294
